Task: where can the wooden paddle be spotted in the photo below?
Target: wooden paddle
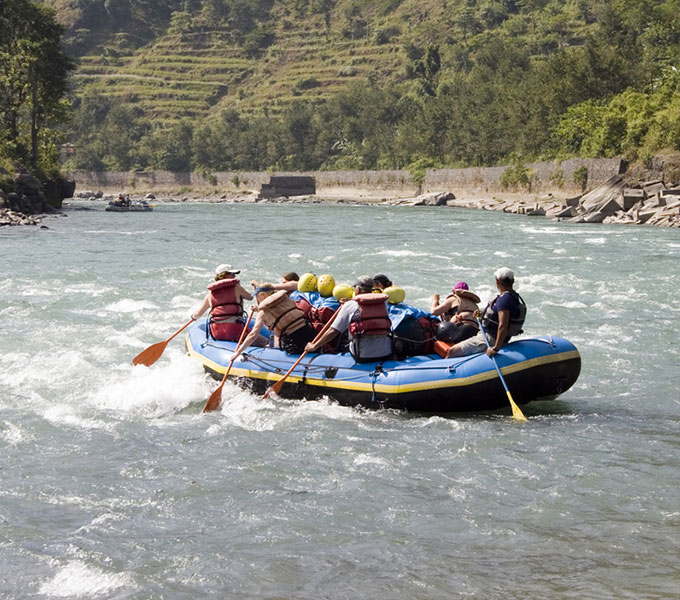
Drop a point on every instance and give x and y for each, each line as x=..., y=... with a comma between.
x=153, y=353
x=516, y=412
x=276, y=388
x=213, y=402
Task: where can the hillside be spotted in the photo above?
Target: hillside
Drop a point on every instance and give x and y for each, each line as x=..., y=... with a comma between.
x=187, y=64
x=499, y=73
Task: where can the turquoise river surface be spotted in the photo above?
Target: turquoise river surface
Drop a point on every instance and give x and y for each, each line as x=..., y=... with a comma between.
x=114, y=485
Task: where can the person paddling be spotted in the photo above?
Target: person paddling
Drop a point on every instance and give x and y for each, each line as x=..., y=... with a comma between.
x=502, y=318
x=285, y=320
x=225, y=299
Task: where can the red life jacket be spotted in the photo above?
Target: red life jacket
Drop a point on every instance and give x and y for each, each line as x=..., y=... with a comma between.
x=373, y=319
x=321, y=314
x=304, y=305
x=223, y=302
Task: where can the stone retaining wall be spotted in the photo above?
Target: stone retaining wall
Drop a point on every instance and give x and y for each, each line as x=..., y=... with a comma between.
x=396, y=183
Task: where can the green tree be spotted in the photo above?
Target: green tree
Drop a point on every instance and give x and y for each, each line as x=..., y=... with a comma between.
x=33, y=78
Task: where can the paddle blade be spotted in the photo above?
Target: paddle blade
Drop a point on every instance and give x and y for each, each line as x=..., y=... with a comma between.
x=516, y=412
x=150, y=355
x=273, y=389
x=215, y=399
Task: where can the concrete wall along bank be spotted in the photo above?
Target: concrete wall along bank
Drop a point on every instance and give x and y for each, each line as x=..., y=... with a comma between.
x=395, y=183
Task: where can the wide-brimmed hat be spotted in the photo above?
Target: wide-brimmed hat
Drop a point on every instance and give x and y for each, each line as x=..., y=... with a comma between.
x=467, y=294
x=226, y=268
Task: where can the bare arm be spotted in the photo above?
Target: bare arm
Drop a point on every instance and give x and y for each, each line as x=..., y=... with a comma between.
x=201, y=309
x=445, y=306
x=501, y=334
x=289, y=286
x=242, y=293
x=252, y=335
x=330, y=335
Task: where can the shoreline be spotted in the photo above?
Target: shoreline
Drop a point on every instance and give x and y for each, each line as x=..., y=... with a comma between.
x=612, y=202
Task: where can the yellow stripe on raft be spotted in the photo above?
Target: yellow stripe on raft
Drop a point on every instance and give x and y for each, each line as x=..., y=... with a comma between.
x=385, y=388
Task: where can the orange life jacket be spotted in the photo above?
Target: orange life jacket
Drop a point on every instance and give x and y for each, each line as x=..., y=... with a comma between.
x=280, y=313
x=223, y=304
x=373, y=319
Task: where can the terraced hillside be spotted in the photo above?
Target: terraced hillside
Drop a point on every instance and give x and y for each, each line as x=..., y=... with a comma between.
x=187, y=71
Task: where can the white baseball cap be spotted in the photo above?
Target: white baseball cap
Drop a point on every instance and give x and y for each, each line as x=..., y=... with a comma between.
x=226, y=268
x=504, y=274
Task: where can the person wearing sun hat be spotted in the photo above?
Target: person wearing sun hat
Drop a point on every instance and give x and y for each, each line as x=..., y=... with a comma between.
x=502, y=319
x=225, y=299
x=457, y=313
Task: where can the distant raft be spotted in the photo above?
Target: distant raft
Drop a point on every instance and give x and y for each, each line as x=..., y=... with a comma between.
x=132, y=207
x=534, y=368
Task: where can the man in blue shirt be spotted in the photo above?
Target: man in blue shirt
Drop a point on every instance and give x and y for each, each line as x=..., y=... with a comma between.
x=502, y=318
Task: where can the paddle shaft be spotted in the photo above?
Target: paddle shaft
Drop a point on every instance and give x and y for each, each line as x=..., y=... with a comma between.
x=516, y=412
x=279, y=384
x=213, y=402
x=151, y=354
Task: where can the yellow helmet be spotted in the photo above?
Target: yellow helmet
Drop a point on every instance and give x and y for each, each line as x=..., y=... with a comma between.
x=342, y=291
x=325, y=284
x=395, y=294
x=307, y=283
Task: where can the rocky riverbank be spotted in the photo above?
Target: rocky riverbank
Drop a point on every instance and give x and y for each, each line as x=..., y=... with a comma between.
x=27, y=203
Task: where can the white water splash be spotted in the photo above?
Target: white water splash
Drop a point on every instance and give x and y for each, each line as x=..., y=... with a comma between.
x=156, y=391
x=78, y=580
x=129, y=306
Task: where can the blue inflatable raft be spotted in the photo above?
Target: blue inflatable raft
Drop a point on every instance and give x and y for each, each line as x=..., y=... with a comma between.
x=533, y=368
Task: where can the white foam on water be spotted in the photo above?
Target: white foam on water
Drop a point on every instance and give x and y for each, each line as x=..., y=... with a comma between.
x=115, y=232
x=153, y=391
x=78, y=580
x=574, y=304
x=401, y=253
x=130, y=306
x=67, y=415
x=13, y=434
x=243, y=409
x=369, y=459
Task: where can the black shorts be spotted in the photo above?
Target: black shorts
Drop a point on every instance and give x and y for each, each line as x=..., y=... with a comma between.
x=294, y=343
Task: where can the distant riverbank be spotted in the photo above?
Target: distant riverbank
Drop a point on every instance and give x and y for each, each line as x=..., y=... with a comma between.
x=567, y=177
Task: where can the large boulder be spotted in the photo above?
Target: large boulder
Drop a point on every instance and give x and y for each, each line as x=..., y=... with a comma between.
x=58, y=189
x=611, y=189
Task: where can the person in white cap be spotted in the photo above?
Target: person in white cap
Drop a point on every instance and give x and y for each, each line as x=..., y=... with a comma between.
x=225, y=299
x=502, y=318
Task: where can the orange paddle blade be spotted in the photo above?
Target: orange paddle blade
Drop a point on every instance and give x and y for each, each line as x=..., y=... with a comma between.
x=153, y=353
x=215, y=399
x=213, y=402
x=150, y=355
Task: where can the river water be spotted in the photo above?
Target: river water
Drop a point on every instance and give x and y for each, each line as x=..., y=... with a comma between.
x=114, y=485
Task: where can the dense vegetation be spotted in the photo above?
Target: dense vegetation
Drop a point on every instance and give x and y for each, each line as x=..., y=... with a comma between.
x=33, y=82
x=358, y=84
